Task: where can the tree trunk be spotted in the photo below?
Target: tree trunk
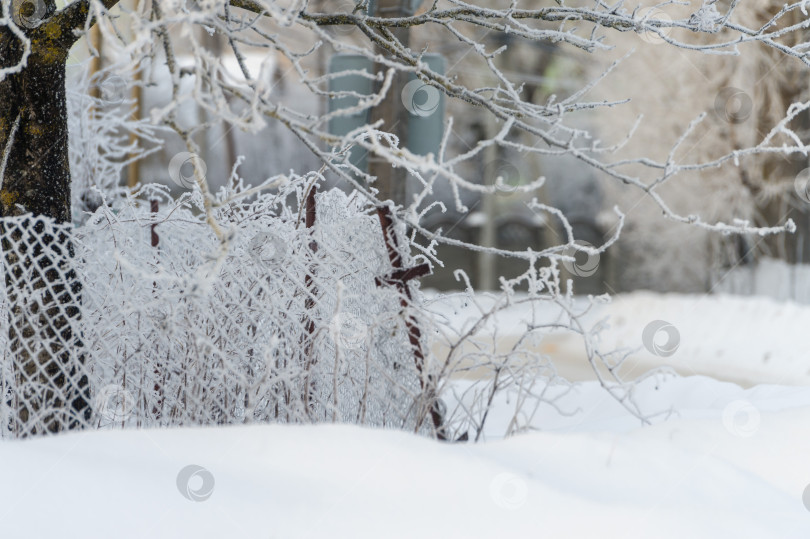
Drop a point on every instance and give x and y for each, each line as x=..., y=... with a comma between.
x=51, y=390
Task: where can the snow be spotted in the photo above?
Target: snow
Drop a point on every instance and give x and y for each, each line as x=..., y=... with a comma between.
x=720, y=460
x=746, y=340
x=682, y=478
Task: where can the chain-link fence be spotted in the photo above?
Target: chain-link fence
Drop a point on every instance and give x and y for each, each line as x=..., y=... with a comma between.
x=146, y=318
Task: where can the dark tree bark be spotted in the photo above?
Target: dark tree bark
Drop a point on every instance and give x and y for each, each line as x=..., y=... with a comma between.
x=51, y=391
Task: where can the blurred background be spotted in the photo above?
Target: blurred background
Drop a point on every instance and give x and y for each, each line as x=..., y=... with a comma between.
x=667, y=89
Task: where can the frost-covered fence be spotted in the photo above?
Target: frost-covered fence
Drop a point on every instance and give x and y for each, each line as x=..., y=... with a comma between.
x=304, y=309
x=44, y=373
x=293, y=318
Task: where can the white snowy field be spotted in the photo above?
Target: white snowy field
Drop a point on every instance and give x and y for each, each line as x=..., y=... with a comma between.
x=729, y=462
x=745, y=340
x=734, y=465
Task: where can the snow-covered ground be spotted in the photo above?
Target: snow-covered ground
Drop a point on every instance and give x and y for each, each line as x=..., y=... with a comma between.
x=746, y=340
x=729, y=462
x=716, y=472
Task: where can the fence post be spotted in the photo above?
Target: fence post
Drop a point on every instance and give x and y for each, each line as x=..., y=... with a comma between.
x=312, y=290
x=399, y=278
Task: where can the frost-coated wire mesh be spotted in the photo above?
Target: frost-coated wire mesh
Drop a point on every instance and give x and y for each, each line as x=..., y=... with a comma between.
x=280, y=322
x=44, y=372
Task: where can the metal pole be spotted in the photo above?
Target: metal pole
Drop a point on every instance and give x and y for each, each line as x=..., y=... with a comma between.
x=391, y=182
x=486, y=261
